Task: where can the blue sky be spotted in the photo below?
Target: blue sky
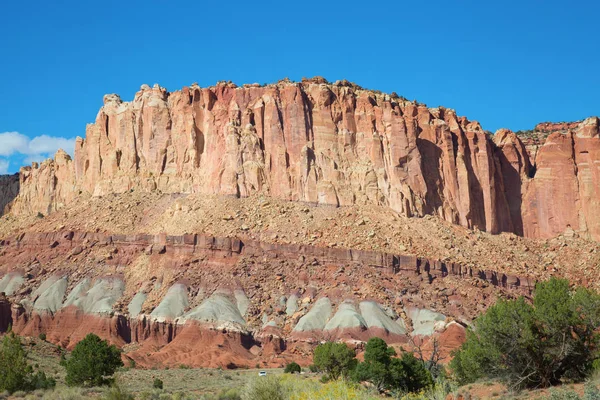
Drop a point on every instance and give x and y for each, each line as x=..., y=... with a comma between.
x=504, y=63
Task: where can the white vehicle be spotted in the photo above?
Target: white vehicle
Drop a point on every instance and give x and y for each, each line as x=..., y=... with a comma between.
x=262, y=373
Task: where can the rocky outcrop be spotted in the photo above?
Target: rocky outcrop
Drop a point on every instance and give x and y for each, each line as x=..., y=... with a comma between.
x=553, y=127
x=334, y=144
x=563, y=193
x=9, y=189
x=535, y=138
x=331, y=144
x=46, y=187
x=104, y=291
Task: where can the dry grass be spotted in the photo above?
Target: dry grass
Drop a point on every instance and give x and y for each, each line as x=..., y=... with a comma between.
x=198, y=381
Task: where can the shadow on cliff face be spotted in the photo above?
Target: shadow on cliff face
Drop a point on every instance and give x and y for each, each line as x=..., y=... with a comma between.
x=430, y=162
x=431, y=154
x=512, y=190
x=476, y=216
x=9, y=189
x=5, y=313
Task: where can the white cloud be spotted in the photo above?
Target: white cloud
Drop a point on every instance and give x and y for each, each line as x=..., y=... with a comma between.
x=47, y=144
x=13, y=142
x=3, y=167
x=38, y=148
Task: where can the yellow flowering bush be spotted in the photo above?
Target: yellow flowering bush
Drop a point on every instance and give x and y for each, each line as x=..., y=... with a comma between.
x=311, y=389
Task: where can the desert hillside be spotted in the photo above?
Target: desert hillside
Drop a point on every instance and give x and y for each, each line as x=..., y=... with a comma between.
x=230, y=226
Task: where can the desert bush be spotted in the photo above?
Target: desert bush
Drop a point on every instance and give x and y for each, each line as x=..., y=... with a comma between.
x=335, y=359
x=39, y=380
x=590, y=392
x=15, y=373
x=409, y=374
x=309, y=389
x=376, y=367
x=265, y=388
x=292, y=368
x=117, y=393
x=67, y=393
x=229, y=394
x=42, y=336
x=92, y=362
x=439, y=391
x=406, y=374
x=157, y=384
x=536, y=344
x=150, y=395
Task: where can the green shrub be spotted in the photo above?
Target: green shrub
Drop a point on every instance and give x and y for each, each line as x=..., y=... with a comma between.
x=39, y=380
x=42, y=336
x=590, y=392
x=439, y=391
x=292, y=368
x=265, y=388
x=335, y=359
x=409, y=374
x=92, y=362
x=15, y=373
x=533, y=345
x=376, y=367
x=116, y=393
x=406, y=374
x=157, y=384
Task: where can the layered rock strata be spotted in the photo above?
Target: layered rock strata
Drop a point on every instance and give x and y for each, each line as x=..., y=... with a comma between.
x=219, y=327
x=129, y=246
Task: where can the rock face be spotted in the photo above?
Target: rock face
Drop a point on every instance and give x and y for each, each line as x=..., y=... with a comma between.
x=9, y=189
x=333, y=144
x=565, y=189
x=46, y=187
x=182, y=320
x=534, y=139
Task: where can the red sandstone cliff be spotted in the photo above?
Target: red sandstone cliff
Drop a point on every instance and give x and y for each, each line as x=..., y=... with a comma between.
x=328, y=144
x=566, y=187
x=334, y=144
